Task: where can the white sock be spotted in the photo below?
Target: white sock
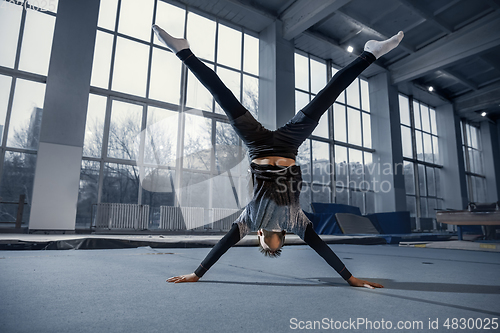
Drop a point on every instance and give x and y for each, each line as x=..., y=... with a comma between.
x=379, y=48
x=174, y=44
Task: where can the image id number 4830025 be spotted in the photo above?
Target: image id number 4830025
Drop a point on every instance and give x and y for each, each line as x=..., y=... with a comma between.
x=471, y=323
x=39, y=5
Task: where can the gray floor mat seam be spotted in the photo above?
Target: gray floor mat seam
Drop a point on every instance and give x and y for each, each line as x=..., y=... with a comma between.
x=436, y=303
x=426, y=258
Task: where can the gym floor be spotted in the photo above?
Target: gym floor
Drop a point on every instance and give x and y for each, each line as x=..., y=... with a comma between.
x=124, y=290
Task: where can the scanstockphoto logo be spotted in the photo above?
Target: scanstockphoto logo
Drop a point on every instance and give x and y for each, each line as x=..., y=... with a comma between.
x=38, y=5
x=375, y=186
x=372, y=177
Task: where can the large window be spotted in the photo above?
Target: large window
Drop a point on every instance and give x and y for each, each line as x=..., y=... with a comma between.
x=154, y=134
x=26, y=42
x=473, y=157
x=422, y=166
x=342, y=136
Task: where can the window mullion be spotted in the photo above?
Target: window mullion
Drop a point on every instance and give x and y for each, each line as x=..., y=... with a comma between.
x=467, y=159
x=416, y=176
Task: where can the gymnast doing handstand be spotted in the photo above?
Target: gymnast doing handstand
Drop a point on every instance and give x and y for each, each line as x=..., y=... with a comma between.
x=274, y=209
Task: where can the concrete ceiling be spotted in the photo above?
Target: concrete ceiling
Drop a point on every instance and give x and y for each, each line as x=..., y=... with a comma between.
x=451, y=45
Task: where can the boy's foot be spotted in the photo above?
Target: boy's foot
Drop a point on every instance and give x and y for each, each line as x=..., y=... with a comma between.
x=174, y=44
x=379, y=48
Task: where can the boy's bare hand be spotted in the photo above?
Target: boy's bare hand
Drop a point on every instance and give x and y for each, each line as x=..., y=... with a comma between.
x=184, y=278
x=355, y=282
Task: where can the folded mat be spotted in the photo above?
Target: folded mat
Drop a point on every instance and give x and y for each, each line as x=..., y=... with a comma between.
x=354, y=224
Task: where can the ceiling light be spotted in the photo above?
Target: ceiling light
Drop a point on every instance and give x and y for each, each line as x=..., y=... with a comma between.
x=431, y=88
x=350, y=49
x=483, y=114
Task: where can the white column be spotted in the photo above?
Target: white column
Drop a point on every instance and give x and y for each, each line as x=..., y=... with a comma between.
x=386, y=140
x=453, y=181
x=277, y=80
x=491, y=160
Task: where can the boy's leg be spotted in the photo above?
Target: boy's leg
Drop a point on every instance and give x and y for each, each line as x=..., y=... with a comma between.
x=338, y=83
x=245, y=125
x=304, y=122
x=344, y=77
x=228, y=102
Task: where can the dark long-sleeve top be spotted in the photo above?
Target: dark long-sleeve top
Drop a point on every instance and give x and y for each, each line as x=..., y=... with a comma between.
x=275, y=206
x=311, y=238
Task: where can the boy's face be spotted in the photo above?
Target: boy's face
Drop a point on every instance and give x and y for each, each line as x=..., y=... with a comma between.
x=272, y=241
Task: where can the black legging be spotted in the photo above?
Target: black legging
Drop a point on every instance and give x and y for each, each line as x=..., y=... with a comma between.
x=314, y=110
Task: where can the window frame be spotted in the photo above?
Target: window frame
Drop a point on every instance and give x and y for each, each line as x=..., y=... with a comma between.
x=416, y=162
x=15, y=74
x=212, y=115
x=466, y=147
x=333, y=184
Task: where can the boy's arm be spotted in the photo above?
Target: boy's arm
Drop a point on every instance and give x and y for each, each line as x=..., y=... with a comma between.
x=230, y=239
x=316, y=243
